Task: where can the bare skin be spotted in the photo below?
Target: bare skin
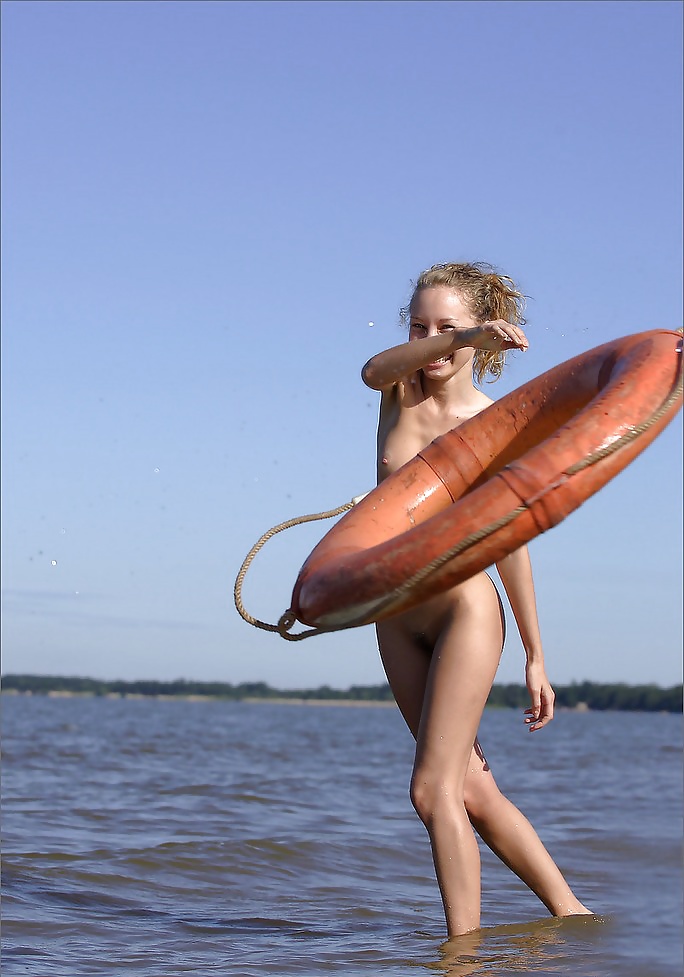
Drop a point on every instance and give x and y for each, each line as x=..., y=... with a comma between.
x=441, y=657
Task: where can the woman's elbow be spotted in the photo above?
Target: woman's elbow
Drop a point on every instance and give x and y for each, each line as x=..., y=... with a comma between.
x=369, y=375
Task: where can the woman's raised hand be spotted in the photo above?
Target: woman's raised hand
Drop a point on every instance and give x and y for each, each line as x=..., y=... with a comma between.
x=498, y=335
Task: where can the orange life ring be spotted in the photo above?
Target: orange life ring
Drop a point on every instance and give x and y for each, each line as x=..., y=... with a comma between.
x=493, y=483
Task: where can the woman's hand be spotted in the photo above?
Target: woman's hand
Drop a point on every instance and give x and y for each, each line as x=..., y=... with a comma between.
x=542, y=697
x=498, y=335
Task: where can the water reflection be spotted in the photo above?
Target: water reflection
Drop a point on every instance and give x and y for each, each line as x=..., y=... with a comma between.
x=540, y=947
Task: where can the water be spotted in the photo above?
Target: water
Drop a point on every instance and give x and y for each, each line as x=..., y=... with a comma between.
x=163, y=838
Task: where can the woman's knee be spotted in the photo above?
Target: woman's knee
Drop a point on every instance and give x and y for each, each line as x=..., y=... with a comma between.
x=432, y=797
x=421, y=798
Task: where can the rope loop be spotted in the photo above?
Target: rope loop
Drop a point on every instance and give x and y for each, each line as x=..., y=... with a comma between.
x=288, y=619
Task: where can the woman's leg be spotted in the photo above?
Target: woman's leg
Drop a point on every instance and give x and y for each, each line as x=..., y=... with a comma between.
x=462, y=671
x=453, y=683
x=511, y=836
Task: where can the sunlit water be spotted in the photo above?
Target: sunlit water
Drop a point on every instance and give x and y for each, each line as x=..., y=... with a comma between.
x=171, y=837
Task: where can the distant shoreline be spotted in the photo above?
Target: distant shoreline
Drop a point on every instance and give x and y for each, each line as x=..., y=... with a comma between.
x=583, y=696
x=255, y=700
x=272, y=701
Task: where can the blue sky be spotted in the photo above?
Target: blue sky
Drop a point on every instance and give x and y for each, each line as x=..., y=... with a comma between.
x=205, y=208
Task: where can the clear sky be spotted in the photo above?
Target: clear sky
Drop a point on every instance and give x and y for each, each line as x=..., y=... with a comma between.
x=212, y=212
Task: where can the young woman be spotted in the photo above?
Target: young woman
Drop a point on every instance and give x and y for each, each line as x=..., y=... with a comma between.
x=441, y=657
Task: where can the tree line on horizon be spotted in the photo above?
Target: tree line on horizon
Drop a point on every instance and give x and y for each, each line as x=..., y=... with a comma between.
x=592, y=695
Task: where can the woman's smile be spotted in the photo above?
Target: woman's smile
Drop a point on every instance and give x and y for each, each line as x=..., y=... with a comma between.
x=442, y=361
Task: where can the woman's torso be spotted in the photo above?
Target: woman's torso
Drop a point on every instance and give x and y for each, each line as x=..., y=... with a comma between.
x=408, y=422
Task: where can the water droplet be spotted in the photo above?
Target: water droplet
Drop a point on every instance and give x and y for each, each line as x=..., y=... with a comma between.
x=53, y=563
x=62, y=532
x=156, y=471
x=371, y=324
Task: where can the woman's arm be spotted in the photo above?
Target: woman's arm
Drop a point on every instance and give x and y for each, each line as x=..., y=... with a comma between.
x=515, y=571
x=392, y=365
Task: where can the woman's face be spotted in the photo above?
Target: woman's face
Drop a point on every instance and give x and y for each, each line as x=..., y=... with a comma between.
x=437, y=310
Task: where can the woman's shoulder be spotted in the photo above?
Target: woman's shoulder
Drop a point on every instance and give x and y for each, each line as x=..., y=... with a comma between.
x=474, y=400
x=481, y=402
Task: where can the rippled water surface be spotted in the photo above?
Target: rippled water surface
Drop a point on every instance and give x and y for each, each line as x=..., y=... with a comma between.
x=162, y=838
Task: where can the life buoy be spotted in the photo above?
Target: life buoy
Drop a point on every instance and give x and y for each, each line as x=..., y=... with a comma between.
x=491, y=484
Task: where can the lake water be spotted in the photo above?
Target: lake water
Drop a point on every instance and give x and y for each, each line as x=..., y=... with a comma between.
x=146, y=837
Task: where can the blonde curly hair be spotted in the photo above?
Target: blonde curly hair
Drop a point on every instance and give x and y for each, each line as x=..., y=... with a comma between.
x=489, y=296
